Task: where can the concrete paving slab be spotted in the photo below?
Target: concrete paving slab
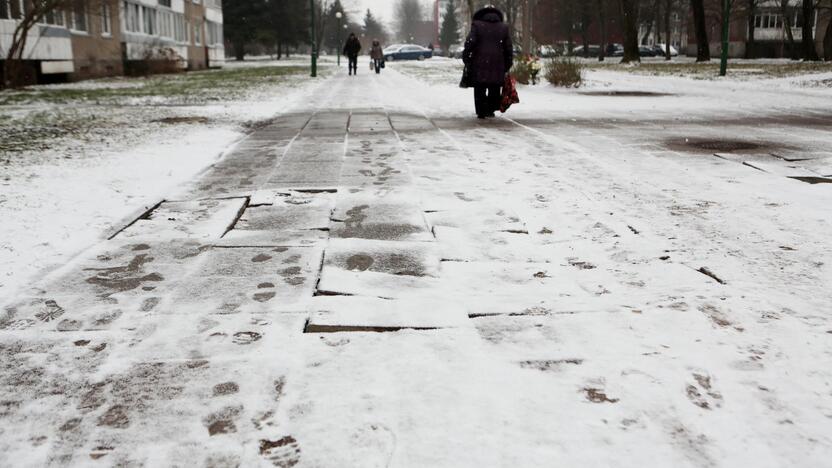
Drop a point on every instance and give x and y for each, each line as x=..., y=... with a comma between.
x=479, y=217
x=361, y=314
x=405, y=123
x=289, y=212
x=337, y=281
x=289, y=263
x=369, y=123
x=246, y=238
x=491, y=288
x=394, y=258
x=365, y=216
x=202, y=219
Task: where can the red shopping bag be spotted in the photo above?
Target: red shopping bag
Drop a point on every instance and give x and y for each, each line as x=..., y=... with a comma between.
x=509, y=94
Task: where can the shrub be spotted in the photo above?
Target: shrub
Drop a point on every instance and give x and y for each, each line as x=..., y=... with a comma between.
x=565, y=72
x=521, y=71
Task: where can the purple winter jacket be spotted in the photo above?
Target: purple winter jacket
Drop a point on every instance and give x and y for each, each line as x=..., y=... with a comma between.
x=488, y=53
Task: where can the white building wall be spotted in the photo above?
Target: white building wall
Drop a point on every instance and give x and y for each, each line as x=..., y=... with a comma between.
x=43, y=43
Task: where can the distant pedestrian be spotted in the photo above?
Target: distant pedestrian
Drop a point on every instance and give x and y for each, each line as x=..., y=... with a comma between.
x=377, y=55
x=351, y=49
x=489, y=57
x=534, y=67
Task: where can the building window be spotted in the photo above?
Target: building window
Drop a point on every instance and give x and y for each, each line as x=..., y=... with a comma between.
x=164, y=3
x=197, y=32
x=15, y=10
x=132, y=17
x=106, y=20
x=54, y=17
x=180, y=29
x=149, y=21
x=214, y=33
x=4, y=9
x=79, y=16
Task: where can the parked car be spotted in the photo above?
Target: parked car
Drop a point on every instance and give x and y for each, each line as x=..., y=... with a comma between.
x=660, y=50
x=593, y=51
x=646, y=51
x=615, y=50
x=547, y=51
x=407, y=52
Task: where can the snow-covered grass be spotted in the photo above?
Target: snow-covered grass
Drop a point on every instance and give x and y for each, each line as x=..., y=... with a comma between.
x=76, y=158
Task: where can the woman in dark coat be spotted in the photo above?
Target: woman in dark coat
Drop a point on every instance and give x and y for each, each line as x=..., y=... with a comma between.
x=488, y=55
x=377, y=55
x=351, y=50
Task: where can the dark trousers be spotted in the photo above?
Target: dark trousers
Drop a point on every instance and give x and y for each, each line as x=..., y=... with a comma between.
x=487, y=99
x=353, y=65
x=377, y=65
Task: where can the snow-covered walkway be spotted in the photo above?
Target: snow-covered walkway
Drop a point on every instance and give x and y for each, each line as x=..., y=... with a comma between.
x=378, y=279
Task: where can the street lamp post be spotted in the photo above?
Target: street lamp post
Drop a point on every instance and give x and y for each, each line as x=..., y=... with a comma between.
x=339, y=15
x=314, y=43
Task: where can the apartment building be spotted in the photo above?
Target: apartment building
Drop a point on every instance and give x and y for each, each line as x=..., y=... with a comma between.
x=94, y=38
x=770, y=31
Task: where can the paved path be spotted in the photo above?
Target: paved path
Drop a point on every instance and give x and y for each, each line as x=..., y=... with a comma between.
x=551, y=292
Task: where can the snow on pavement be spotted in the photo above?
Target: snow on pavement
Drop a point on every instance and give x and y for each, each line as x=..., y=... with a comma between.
x=580, y=282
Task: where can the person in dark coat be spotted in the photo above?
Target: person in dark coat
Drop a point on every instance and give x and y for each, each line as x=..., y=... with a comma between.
x=351, y=50
x=488, y=55
x=377, y=55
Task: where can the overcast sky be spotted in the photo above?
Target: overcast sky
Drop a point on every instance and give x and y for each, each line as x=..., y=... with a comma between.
x=381, y=8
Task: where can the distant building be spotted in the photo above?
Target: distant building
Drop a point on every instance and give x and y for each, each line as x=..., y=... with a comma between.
x=111, y=37
x=770, y=36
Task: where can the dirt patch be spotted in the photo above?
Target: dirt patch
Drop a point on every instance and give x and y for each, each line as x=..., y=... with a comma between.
x=116, y=417
x=550, y=364
x=359, y=262
x=226, y=388
x=612, y=93
x=246, y=338
x=597, y=395
x=182, y=120
x=722, y=145
x=283, y=453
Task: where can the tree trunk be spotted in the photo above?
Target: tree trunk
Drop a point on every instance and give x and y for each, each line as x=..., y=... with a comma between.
x=750, y=44
x=629, y=21
x=703, y=47
x=602, y=18
x=827, y=43
x=787, y=24
x=239, y=50
x=809, y=50
x=653, y=23
x=668, y=35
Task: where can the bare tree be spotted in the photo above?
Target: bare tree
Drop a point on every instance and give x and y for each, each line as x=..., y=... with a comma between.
x=602, y=21
x=409, y=14
x=35, y=11
x=668, y=32
x=809, y=50
x=629, y=17
x=703, y=47
x=827, y=39
x=751, y=43
x=787, y=14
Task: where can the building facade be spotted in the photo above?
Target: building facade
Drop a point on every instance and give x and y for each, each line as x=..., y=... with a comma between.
x=95, y=38
x=770, y=27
